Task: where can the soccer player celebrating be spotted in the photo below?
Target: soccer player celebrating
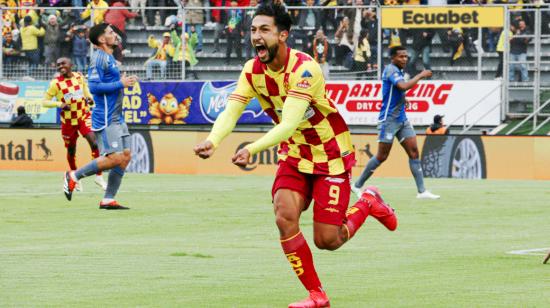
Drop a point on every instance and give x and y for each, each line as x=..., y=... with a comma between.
x=315, y=150
x=73, y=97
x=393, y=122
x=106, y=85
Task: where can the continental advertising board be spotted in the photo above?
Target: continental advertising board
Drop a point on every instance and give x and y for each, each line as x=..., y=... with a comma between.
x=443, y=17
x=187, y=103
x=466, y=157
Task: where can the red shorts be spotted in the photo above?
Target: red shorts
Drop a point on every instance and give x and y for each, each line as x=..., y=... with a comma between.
x=331, y=193
x=70, y=132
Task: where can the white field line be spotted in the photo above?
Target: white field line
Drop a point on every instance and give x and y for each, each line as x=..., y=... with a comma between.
x=96, y=190
x=530, y=252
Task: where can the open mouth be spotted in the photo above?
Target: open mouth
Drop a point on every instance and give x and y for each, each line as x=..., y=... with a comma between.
x=261, y=50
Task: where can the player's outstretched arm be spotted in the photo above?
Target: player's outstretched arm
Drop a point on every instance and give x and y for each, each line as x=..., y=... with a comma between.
x=406, y=85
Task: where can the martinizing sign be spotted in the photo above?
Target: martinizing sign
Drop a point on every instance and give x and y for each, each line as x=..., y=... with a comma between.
x=442, y=17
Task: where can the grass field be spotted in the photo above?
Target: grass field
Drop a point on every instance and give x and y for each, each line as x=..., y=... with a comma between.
x=210, y=241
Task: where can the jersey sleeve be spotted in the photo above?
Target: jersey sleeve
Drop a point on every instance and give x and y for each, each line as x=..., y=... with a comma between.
x=394, y=76
x=85, y=88
x=98, y=68
x=50, y=94
x=306, y=82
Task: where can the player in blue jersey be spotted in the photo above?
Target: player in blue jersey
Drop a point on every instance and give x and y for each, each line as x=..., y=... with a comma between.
x=106, y=85
x=393, y=122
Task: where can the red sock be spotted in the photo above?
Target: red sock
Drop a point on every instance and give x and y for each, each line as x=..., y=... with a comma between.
x=72, y=161
x=95, y=154
x=299, y=255
x=356, y=216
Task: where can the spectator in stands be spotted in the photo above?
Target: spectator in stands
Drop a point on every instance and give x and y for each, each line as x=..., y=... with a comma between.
x=80, y=47
x=344, y=39
x=362, y=55
x=52, y=41
x=22, y=120
x=99, y=8
x=370, y=23
x=8, y=22
x=140, y=5
x=190, y=40
x=500, y=51
x=518, y=51
x=321, y=51
x=458, y=45
x=309, y=18
x=195, y=18
x=220, y=19
x=421, y=45
x=329, y=15
x=247, y=22
x=10, y=49
x=234, y=32
x=165, y=50
x=29, y=38
x=117, y=19
x=437, y=127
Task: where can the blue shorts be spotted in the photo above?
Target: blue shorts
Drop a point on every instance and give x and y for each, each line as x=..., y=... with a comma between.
x=390, y=129
x=113, y=139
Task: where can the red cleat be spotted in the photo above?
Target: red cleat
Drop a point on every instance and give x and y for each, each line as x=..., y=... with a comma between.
x=379, y=209
x=113, y=205
x=316, y=299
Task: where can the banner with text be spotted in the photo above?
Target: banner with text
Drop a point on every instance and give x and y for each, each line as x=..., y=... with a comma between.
x=195, y=102
x=360, y=102
x=442, y=17
x=29, y=95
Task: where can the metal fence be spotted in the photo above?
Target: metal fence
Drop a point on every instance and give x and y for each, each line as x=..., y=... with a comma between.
x=176, y=43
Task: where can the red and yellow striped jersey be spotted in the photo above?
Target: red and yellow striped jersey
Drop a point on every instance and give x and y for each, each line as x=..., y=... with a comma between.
x=322, y=142
x=72, y=91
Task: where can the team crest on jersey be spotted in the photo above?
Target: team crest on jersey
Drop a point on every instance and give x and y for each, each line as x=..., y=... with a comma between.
x=307, y=74
x=304, y=84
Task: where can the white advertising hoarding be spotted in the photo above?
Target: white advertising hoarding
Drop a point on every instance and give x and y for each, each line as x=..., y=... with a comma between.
x=359, y=102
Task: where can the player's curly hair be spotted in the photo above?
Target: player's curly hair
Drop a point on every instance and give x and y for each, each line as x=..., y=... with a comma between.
x=97, y=31
x=278, y=12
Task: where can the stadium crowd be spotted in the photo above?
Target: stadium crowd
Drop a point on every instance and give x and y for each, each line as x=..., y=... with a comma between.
x=38, y=33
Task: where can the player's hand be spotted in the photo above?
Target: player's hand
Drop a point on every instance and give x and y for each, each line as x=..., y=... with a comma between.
x=65, y=106
x=241, y=158
x=89, y=101
x=426, y=74
x=204, y=149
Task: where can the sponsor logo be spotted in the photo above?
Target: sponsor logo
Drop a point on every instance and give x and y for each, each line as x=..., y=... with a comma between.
x=332, y=210
x=304, y=84
x=442, y=17
x=25, y=151
x=306, y=74
x=335, y=180
x=214, y=99
x=367, y=97
x=448, y=18
x=296, y=263
x=265, y=157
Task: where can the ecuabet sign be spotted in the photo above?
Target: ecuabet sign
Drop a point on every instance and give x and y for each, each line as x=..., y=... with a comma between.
x=442, y=17
x=360, y=102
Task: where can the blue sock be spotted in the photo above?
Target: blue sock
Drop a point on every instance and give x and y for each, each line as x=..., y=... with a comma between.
x=367, y=172
x=89, y=169
x=113, y=182
x=416, y=169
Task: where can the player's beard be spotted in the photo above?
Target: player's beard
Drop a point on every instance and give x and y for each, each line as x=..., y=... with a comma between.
x=271, y=52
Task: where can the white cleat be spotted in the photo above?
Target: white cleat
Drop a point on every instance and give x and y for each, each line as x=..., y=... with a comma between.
x=357, y=191
x=100, y=182
x=427, y=195
x=79, y=186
